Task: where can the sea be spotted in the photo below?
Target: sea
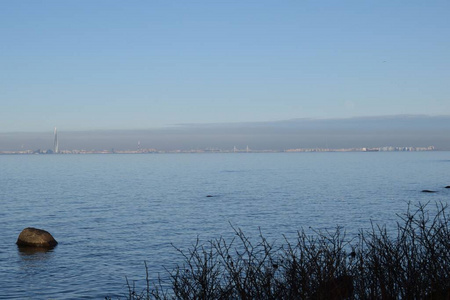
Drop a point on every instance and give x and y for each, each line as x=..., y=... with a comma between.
x=111, y=213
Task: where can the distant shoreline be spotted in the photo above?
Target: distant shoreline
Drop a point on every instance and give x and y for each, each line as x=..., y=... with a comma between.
x=247, y=150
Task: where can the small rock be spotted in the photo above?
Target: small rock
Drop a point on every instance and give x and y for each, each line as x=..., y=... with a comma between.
x=33, y=237
x=447, y=187
x=428, y=191
x=209, y=196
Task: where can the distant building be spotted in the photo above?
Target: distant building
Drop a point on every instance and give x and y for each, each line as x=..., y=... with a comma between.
x=55, y=142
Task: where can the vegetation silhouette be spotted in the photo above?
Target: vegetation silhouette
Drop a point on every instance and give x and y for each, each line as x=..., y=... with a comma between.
x=411, y=263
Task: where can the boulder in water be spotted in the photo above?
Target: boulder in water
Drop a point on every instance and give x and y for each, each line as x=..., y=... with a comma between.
x=33, y=237
x=428, y=191
x=447, y=187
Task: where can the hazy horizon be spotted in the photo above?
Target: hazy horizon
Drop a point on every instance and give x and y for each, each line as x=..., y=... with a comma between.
x=398, y=131
x=270, y=75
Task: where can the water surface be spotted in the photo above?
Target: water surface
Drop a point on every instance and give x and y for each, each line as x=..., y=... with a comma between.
x=109, y=213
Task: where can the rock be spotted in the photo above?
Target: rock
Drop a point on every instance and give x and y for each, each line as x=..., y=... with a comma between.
x=447, y=187
x=33, y=237
x=209, y=196
x=428, y=191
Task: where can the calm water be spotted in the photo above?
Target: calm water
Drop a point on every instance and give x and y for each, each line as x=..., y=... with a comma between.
x=109, y=213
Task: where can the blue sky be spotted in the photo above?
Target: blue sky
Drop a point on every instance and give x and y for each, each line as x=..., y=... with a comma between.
x=89, y=65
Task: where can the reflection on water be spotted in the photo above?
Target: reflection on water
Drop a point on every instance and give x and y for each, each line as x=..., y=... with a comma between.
x=28, y=251
x=32, y=257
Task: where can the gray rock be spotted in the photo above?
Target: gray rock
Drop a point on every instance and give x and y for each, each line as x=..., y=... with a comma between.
x=33, y=237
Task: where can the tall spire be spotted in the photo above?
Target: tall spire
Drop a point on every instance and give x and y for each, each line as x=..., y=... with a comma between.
x=55, y=142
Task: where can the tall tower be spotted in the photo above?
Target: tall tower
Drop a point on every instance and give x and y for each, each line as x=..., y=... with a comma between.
x=55, y=142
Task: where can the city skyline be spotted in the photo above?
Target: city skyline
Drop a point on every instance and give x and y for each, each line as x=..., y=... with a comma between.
x=356, y=133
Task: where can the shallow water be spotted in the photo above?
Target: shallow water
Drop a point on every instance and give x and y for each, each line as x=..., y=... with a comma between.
x=109, y=213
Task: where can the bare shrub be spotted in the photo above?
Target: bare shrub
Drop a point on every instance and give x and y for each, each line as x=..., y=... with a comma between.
x=414, y=263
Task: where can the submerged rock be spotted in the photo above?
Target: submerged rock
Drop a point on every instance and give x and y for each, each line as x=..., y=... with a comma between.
x=428, y=191
x=33, y=237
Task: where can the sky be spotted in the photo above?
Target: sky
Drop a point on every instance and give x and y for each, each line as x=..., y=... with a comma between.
x=103, y=65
